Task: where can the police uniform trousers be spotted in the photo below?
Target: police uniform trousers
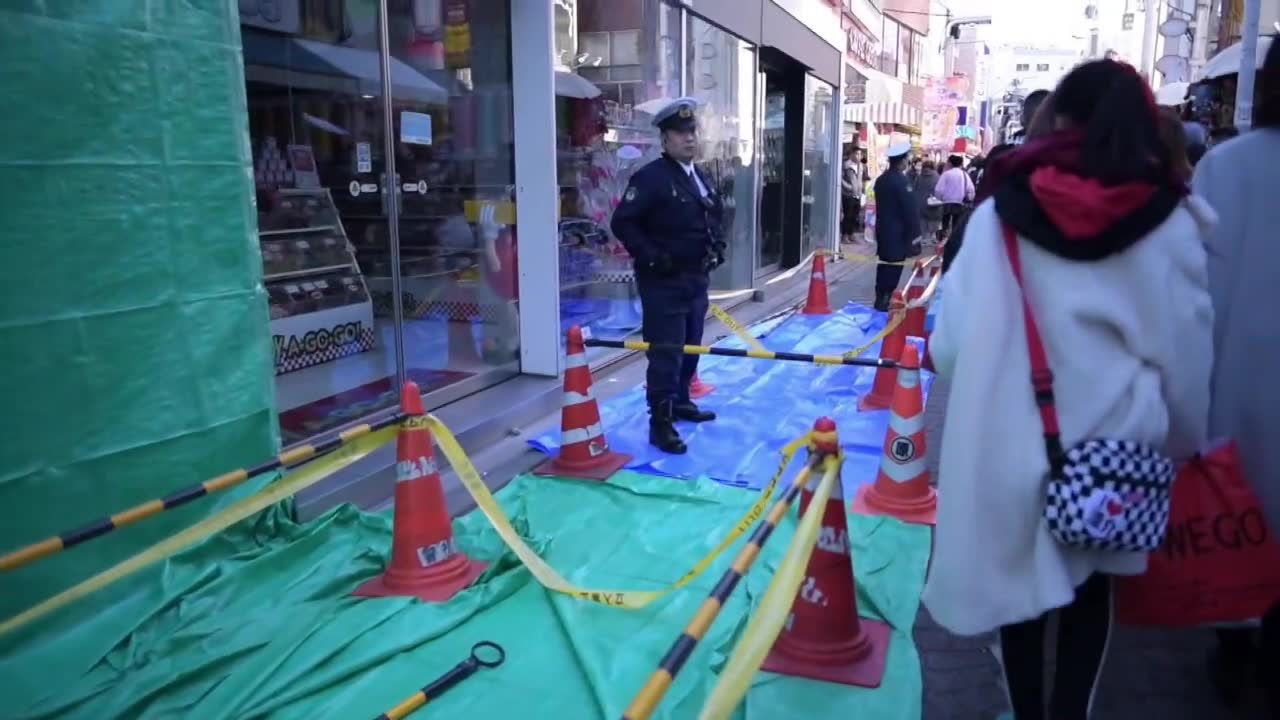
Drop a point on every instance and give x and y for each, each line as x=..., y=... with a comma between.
x=675, y=309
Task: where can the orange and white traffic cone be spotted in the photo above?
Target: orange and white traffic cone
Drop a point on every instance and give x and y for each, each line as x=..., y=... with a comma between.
x=824, y=639
x=915, y=320
x=817, y=302
x=425, y=563
x=881, y=394
x=584, y=450
x=902, y=487
x=699, y=389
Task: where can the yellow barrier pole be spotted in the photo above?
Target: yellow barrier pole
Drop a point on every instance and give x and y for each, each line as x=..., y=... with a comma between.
x=767, y=621
x=289, y=458
x=822, y=450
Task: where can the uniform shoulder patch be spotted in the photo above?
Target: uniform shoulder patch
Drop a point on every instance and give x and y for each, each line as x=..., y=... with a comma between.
x=630, y=194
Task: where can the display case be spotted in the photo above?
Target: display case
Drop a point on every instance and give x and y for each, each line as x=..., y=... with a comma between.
x=320, y=306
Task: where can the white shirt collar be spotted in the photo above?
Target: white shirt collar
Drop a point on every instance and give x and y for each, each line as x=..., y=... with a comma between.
x=688, y=167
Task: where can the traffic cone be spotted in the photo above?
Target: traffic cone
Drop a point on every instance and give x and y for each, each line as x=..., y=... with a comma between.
x=699, y=389
x=817, y=302
x=584, y=451
x=425, y=563
x=891, y=348
x=824, y=639
x=902, y=487
x=914, y=323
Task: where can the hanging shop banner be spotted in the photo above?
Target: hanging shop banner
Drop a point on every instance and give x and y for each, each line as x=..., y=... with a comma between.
x=303, y=341
x=946, y=92
x=457, y=33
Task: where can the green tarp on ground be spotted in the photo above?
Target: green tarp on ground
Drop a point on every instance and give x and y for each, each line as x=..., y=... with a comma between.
x=257, y=623
x=135, y=355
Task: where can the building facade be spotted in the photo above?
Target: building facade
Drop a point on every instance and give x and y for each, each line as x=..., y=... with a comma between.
x=435, y=178
x=885, y=55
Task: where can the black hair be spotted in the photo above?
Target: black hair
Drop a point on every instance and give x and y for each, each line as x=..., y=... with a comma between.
x=1266, y=113
x=955, y=161
x=900, y=161
x=1031, y=105
x=1113, y=107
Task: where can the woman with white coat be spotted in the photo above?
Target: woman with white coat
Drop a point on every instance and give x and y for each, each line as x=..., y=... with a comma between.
x=1113, y=264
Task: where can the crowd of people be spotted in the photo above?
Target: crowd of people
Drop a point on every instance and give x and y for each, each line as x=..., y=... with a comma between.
x=1107, y=284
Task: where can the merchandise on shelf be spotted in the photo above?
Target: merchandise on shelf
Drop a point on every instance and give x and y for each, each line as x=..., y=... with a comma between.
x=319, y=303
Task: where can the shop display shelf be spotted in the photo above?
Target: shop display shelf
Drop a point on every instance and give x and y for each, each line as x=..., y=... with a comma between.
x=295, y=231
x=305, y=272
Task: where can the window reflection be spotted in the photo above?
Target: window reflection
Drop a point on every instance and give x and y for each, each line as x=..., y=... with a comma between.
x=616, y=64
x=819, y=165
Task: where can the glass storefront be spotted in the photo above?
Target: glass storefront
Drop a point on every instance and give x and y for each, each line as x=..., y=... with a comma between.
x=820, y=167
x=385, y=165
x=722, y=76
x=317, y=123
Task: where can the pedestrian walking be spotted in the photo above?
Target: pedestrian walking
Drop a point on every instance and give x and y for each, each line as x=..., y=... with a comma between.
x=1238, y=180
x=1030, y=108
x=669, y=220
x=851, y=182
x=930, y=213
x=1113, y=272
x=897, y=224
x=954, y=190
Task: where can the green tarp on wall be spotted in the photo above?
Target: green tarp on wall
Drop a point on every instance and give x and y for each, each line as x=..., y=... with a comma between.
x=134, y=351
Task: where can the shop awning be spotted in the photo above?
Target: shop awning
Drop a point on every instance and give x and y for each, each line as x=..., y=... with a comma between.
x=1227, y=62
x=893, y=113
x=307, y=64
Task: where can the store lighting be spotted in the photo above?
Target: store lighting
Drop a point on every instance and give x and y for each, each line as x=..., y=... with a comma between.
x=366, y=96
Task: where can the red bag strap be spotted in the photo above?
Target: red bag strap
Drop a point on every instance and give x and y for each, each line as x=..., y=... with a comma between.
x=1041, y=375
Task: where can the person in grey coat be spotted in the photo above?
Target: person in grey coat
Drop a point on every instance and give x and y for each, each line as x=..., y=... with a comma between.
x=930, y=215
x=1237, y=179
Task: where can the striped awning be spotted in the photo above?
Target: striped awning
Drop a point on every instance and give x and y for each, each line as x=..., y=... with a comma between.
x=885, y=113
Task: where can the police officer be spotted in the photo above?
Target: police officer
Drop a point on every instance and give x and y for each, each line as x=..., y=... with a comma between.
x=897, y=223
x=669, y=220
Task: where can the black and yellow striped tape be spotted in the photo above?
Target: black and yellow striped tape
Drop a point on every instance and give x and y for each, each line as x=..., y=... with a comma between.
x=739, y=352
x=97, y=528
x=646, y=701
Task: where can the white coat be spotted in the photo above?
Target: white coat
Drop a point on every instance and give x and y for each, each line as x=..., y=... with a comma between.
x=1129, y=340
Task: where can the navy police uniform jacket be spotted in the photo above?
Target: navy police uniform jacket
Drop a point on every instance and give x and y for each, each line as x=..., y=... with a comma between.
x=897, y=217
x=666, y=225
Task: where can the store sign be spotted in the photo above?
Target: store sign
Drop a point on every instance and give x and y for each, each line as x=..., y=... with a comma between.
x=860, y=45
x=309, y=339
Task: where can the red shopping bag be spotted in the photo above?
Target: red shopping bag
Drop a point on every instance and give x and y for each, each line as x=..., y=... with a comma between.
x=1219, y=563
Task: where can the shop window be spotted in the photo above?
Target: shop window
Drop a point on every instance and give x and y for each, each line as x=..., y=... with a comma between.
x=624, y=65
x=455, y=177
x=819, y=166
x=722, y=76
x=1042, y=67
x=316, y=130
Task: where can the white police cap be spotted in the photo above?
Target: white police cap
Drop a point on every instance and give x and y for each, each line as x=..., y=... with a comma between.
x=899, y=149
x=677, y=115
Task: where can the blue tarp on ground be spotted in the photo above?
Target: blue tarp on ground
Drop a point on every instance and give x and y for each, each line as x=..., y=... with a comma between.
x=763, y=405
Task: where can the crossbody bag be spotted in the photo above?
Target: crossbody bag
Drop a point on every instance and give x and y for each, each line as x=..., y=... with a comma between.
x=1102, y=494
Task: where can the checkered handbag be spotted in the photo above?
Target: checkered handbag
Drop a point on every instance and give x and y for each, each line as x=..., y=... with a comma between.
x=1102, y=494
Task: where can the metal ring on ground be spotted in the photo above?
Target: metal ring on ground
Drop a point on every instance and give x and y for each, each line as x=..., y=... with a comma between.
x=494, y=651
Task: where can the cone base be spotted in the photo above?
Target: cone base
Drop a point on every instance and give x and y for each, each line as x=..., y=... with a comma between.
x=866, y=672
x=921, y=511
x=601, y=468
x=816, y=310
x=872, y=401
x=428, y=587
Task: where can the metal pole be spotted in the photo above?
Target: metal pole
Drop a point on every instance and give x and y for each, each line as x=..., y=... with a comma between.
x=391, y=188
x=1200, y=43
x=1150, y=30
x=1248, y=65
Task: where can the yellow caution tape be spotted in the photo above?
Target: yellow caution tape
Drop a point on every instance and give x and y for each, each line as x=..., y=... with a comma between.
x=895, y=319
x=768, y=619
x=287, y=486
x=547, y=575
x=743, y=334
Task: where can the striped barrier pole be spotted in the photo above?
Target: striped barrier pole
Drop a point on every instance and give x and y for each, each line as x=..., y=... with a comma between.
x=824, y=447
x=102, y=526
x=739, y=352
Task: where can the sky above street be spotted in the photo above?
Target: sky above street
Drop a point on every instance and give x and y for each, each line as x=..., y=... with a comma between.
x=1039, y=23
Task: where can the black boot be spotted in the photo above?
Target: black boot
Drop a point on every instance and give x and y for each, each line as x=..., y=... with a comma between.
x=882, y=301
x=686, y=410
x=662, y=433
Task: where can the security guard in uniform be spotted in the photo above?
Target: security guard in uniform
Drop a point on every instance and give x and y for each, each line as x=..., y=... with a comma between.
x=669, y=220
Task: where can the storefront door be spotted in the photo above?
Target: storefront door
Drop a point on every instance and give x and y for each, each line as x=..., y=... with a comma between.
x=773, y=173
